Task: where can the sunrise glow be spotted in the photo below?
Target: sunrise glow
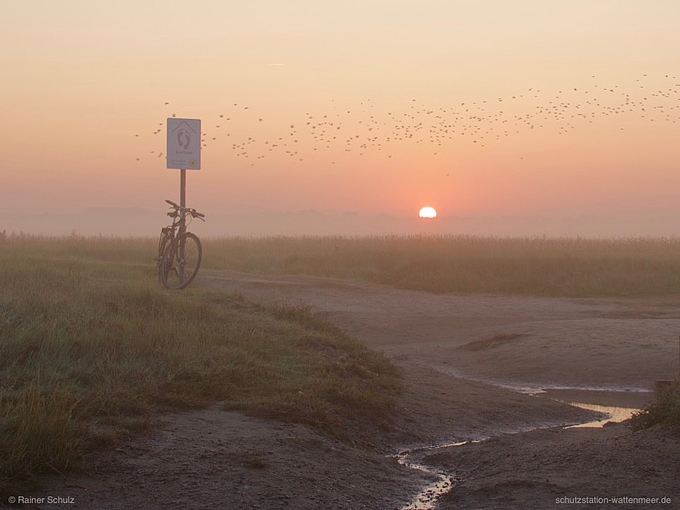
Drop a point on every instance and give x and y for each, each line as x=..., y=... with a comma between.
x=427, y=212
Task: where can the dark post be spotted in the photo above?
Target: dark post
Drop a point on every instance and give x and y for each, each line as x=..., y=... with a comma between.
x=182, y=193
x=182, y=223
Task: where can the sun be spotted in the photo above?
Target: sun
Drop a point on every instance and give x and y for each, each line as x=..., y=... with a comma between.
x=427, y=212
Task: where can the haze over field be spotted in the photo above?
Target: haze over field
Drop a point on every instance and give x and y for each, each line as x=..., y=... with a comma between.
x=521, y=118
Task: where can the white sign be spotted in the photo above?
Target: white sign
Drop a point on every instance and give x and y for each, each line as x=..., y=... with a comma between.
x=184, y=144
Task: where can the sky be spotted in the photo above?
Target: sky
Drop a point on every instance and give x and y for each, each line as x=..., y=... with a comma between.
x=494, y=113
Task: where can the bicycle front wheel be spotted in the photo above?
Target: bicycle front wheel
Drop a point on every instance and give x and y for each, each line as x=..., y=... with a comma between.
x=181, y=261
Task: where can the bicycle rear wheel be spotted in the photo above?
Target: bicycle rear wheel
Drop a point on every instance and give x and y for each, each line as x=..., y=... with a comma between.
x=181, y=261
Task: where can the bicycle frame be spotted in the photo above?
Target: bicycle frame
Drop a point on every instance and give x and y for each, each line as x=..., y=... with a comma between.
x=167, y=237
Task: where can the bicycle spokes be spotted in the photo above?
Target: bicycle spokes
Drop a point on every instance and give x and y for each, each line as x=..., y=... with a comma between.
x=181, y=261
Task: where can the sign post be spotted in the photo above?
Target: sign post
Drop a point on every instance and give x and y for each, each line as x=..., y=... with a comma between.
x=184, y=144
x=184, y=150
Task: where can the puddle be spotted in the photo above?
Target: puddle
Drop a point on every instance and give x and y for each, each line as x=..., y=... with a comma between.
x=613, y=414
x=616, y=406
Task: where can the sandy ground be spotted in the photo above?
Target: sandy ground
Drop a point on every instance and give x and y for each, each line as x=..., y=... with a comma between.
x=463, y=360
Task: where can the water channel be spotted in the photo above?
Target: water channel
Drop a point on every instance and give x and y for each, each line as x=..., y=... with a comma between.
x=602, y=401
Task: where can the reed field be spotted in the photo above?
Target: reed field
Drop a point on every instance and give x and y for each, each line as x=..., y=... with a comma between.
x=557, y=267
x=92, y=349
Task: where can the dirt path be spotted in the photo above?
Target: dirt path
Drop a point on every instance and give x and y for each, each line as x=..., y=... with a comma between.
x=534, y=342
x=449, y=348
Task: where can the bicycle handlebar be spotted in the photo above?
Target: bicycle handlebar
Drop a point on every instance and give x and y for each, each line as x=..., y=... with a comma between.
x=193, y=212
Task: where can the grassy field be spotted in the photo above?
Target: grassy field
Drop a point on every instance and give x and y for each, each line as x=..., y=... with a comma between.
x=92, y=349
x=530, y=266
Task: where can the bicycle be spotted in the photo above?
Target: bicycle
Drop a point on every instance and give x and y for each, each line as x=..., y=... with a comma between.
x=179, y=252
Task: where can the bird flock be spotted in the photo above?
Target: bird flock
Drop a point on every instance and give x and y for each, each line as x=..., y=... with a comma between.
x=367, y=128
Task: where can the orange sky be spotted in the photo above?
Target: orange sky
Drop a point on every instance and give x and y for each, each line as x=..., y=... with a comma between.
x=476, y=108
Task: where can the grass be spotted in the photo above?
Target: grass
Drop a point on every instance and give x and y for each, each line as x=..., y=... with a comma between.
x=92, y=350
x=564, y=267
x=663, y=413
